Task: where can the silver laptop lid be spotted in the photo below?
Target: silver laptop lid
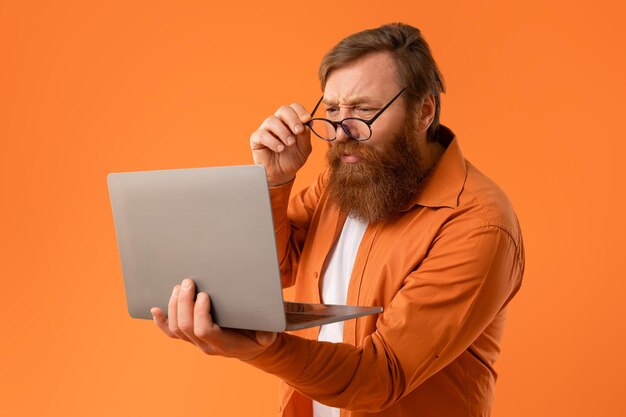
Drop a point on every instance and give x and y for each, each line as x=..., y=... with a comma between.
x=213, y=225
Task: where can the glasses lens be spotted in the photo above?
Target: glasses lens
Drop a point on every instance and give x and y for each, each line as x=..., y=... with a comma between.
x=356, y=129
x=323, y=129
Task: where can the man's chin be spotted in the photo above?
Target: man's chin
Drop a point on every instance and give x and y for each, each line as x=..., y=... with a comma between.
x=353, y=173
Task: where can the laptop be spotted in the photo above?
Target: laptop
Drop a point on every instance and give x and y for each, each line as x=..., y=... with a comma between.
x=213, y=225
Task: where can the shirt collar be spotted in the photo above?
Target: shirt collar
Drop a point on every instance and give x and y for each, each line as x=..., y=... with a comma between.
x=444, y=183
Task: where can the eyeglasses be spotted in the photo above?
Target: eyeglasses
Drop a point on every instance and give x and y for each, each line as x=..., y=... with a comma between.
x=356, y=128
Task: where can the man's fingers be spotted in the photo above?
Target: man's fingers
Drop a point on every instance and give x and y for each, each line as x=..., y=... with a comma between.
x=160, y=320
x=302, y=113
x=304, y=138
x=186, y=301
x=172, y=310
x=194, y=324
x=203, y=323
x=172, y=314
x=181, y=307
x=291, y=117
x=281, y=131
x=265, y=338
x=263, y=139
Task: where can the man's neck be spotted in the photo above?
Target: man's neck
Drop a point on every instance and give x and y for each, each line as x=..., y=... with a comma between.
x=431, y=152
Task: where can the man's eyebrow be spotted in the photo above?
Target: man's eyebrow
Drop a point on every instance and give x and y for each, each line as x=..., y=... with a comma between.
x=352, y=101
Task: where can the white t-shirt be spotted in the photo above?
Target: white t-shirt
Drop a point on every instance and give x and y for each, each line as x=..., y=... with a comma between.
x=335, y=281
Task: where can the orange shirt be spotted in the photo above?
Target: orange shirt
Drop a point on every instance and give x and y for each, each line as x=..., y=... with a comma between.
x=444, y=272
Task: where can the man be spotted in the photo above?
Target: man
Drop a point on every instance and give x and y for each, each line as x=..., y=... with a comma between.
x=399, y=219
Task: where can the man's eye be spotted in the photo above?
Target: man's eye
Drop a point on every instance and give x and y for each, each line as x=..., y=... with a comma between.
x=332, y=110
x=365, y=109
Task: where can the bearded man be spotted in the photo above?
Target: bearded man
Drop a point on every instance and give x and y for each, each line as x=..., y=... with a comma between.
x=399, y=219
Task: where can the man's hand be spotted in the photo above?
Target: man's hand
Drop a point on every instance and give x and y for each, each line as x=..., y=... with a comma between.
x=191, y=321
x=282, y=143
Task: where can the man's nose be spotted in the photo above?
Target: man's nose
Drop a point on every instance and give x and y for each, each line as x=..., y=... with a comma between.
x=342, y=136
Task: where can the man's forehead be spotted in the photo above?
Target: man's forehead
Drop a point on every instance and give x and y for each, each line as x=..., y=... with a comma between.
x=369, y=79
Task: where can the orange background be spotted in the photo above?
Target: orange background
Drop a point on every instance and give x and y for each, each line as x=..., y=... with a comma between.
x=535, y=94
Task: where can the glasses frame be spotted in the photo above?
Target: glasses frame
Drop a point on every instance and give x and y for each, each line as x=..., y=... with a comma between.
x=340, y=123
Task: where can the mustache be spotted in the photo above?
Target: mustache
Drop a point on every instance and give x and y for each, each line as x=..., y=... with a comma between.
x=351, y=147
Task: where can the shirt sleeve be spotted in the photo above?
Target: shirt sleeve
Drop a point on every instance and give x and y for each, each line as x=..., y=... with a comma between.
x=468, y=276
x=291, y=224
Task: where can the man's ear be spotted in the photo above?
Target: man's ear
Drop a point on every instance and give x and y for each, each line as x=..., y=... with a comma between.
x=427, y=113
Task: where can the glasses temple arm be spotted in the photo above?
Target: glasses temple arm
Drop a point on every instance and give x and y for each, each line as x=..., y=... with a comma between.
x=370, y=121
x=317, y=105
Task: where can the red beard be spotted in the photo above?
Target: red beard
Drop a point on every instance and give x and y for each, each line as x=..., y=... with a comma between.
x=382, y=183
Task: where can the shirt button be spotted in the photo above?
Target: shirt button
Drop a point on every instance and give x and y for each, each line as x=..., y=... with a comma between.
x=316, y=275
